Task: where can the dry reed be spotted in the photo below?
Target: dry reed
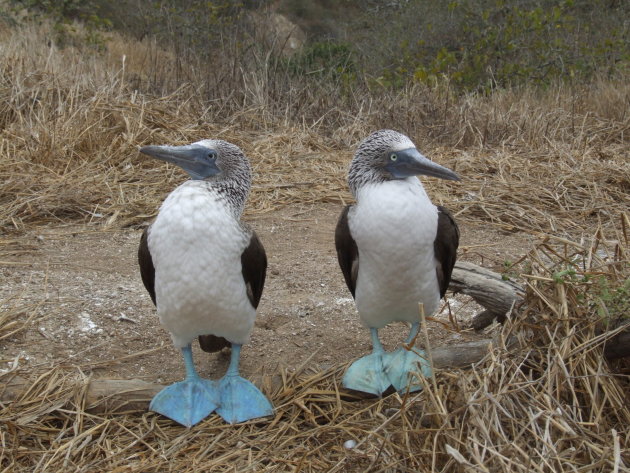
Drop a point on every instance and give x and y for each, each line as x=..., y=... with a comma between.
x=72, y=121
x=68, y=152
x=548, y=403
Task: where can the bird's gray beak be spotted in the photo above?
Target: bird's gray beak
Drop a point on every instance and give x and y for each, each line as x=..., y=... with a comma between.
x=197, y=160
x=409, y=162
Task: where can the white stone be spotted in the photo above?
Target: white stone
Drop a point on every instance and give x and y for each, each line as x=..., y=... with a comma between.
x=349, y=444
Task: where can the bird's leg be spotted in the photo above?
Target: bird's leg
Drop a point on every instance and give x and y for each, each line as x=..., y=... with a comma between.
x=377, y=346
x=413, y=333
x=191, y=372
x=367, y=374
x=187, y=402
x=240, y=399
x=406, y=360
x=235, y=359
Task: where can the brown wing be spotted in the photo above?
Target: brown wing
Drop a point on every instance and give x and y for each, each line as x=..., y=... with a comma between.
x=254, y=264
x=347, y=251
x=254, y=268
x=445, y=247
x=147, y=270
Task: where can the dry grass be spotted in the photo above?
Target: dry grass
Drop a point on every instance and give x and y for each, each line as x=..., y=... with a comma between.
x=71, y=122
x=552, y=162
x=549, y=403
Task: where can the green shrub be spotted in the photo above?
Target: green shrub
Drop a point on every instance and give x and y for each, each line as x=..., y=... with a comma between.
x=64, y=14
x=482, y=44
x=324, y=59
x=613, y=302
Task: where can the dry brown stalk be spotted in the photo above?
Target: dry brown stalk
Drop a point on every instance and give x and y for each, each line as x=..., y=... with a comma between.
x=71, y=126
x=532, y=161
x=546, y=402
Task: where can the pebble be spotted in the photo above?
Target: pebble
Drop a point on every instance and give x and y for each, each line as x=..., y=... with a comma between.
x=350, y=444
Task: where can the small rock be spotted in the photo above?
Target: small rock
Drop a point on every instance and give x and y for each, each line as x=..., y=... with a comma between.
x=349, y=444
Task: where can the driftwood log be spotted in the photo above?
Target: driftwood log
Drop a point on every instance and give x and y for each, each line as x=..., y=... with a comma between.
x=486, y=287
x=132, y=395
x=496, y=295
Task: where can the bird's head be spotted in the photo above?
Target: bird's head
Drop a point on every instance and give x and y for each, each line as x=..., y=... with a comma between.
x=387, y=155
x=205, y=159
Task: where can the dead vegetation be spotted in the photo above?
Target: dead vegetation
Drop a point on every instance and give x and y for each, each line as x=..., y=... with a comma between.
x=553, y=162
x=549, y=402
x=550, y=161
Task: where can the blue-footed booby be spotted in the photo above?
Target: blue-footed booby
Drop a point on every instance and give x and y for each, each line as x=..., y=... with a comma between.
x=396, y=250
x=205, y=271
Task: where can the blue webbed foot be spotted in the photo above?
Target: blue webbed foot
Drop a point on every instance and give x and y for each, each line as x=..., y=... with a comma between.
x=401, y=366
x=187, y=402
x=241, y=401
x=367, y=374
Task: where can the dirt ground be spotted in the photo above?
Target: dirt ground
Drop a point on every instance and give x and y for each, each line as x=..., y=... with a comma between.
x=90, y=308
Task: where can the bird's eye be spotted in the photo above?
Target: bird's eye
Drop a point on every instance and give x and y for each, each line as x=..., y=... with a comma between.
x=393, y=157
x=212, y=155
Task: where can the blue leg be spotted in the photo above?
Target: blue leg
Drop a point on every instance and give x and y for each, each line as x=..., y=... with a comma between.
x=240, y=399
x=401, y=363
x=367, y=374
x=187, y=402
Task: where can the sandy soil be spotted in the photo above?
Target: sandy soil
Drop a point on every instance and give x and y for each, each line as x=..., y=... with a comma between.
x=84, y=287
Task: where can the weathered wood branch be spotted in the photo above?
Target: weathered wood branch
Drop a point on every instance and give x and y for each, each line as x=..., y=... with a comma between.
x=132, y=395
x=488, y=289
x=499, y=296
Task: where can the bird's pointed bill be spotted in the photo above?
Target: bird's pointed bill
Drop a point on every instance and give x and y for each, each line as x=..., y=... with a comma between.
x=409, y=162
x=197, y=160
x=241, y=401
x=402, y=367
x=187, y=402
x=367, y=374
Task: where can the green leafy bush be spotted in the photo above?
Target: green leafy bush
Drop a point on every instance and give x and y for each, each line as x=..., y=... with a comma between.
x=482, y=44
x=613, y=302
x=64, y=13
x=324, y=59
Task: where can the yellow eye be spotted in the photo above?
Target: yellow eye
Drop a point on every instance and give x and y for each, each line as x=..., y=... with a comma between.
x=393, y=157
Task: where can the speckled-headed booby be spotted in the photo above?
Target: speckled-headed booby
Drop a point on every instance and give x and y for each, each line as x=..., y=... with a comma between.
x=396, y=250
x=205, y=271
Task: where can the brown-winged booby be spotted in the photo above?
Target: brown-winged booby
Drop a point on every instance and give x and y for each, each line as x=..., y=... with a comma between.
x=205, y=271
x=396, y=250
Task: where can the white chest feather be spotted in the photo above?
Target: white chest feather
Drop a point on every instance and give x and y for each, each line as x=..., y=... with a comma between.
x=394, y=225
x=196, y=246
